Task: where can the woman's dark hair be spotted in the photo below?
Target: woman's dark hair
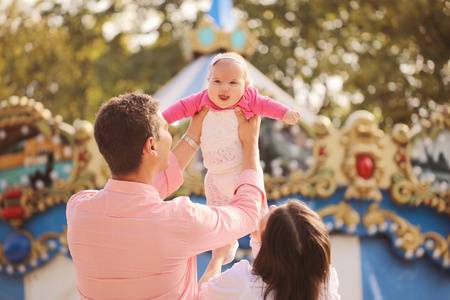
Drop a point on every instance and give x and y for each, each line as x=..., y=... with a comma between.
x=294, y=257
x=122, y=126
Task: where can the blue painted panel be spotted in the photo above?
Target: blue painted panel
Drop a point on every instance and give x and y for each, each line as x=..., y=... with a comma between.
x=53, y=219
x=387, y=276
x=21, y=174
x=11, y=288
x=5, y=230
x=202, y=262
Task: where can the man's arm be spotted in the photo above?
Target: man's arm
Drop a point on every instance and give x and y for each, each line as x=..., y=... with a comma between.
x=183, y=150
x=171, y=179
x=248, y=134
x=211, y=227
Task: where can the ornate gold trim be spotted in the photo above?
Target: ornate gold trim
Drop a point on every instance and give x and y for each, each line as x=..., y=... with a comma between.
x=40, y=248
x=406, y=187
x=361, y=136
x=343, y=214
x=317, y=181
x=17, y=112
x=409, y=237
x=222, y=39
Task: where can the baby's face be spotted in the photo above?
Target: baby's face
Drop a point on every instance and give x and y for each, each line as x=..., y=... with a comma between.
x=226, y=83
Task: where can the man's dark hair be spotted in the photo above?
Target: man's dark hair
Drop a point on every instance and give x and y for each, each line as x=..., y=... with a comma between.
x=122, y=126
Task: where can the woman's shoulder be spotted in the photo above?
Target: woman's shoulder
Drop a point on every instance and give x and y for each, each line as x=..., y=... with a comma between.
x=256, y=286
x=332, y=291
x=241, y=269
x=230, y=284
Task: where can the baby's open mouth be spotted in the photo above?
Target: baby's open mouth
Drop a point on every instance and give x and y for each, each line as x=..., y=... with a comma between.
x=224, y=97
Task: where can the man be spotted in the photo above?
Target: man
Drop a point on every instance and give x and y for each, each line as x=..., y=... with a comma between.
x=125, y=241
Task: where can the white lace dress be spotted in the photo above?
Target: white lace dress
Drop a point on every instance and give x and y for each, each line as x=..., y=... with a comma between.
x=222, y=156
x=238, y=283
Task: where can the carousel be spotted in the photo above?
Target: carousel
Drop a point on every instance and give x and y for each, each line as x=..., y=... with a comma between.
x=384, y=197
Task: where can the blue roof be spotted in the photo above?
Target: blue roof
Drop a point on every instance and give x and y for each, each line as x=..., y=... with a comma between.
x=221, y=13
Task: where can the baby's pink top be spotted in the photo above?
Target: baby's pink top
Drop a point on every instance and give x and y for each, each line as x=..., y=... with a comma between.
x=127, y=243
x=251, y=104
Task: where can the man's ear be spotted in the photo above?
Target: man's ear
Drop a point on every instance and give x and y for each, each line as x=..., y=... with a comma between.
x=149, y=146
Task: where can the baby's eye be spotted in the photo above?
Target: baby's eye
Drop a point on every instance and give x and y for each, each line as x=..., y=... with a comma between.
x=233, y=82
x=216, y=81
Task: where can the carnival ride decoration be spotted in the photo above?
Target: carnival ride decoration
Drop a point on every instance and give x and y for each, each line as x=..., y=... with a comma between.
x=361, y=180
x=43, y=161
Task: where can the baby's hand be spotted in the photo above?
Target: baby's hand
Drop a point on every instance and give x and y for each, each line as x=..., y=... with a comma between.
x=256, y=235
x=291, y=117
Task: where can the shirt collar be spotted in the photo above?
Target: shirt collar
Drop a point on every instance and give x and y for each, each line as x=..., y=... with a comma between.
x=130, y=187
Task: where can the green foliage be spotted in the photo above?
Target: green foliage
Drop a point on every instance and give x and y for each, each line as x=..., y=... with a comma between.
x=393, y=53
x=61, y=58
x=393, y=56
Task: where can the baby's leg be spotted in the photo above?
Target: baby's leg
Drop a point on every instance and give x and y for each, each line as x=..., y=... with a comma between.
x=216, y=196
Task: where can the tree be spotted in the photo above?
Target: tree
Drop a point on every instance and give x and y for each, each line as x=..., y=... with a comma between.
x=57, y=53
x=393, y=56
x=388, y=57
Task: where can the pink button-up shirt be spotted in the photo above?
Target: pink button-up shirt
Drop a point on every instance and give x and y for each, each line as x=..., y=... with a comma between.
x=127, y=243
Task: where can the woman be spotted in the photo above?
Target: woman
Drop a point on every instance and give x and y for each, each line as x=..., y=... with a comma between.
x=293, y=261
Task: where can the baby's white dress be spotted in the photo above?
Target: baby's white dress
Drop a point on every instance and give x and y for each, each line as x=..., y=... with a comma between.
x=222, y=156
x=238, y=283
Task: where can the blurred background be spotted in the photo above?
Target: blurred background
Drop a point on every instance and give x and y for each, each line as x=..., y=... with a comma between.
x=388, y=57
x=371, y=153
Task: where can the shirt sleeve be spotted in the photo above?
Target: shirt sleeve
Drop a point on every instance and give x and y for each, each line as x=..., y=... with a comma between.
x=231, y=284
x=212, y=227
x=162, y=184
x=184, y=108
x=265, y=106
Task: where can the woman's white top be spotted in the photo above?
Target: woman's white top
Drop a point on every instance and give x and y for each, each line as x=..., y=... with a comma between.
x=238, y=282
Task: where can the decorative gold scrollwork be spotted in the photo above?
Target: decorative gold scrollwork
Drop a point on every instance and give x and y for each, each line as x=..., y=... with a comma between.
x=343, y=214
x=39, y=249
x=23, y=119
x=409, y=237
x=406, y=188
x=363, y=163
x=317, y=181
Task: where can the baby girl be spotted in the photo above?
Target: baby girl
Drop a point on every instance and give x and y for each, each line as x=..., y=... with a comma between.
x=228, y=87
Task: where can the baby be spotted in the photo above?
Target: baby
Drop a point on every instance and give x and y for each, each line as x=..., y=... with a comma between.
x=228, y=87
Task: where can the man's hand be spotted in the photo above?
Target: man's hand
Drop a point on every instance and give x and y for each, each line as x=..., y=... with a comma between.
x=194, y=130
x=183, y=150
x=248, y=128
x=249, y=133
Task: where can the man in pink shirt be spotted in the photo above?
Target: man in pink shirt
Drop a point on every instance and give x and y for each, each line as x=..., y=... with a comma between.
x=125, y=241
